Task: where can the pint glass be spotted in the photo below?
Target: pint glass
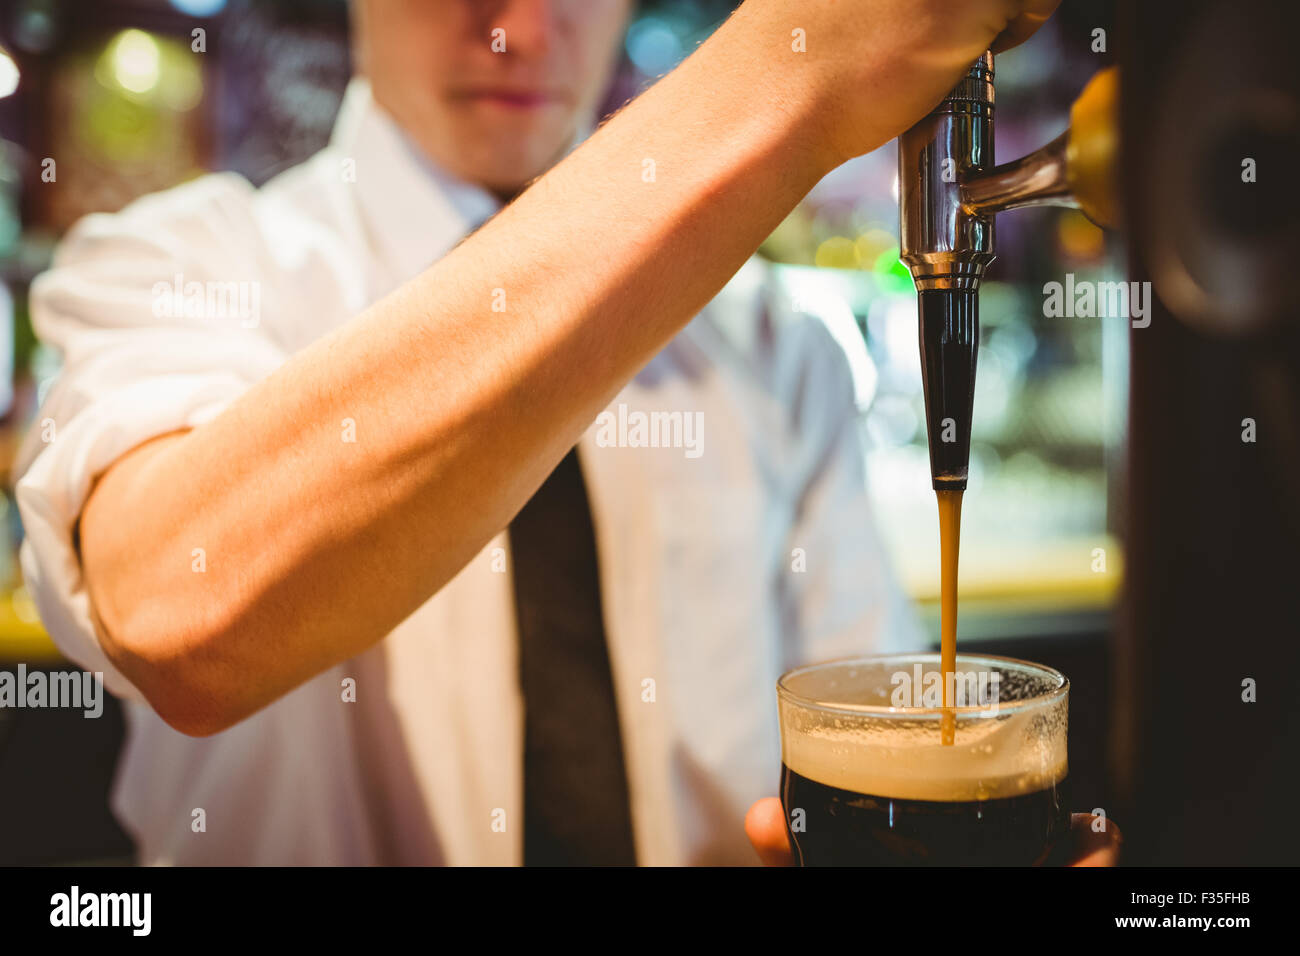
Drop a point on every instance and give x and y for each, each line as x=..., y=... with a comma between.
x=867, y=779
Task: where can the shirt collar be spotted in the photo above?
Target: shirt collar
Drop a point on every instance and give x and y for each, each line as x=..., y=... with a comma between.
x=415, y=210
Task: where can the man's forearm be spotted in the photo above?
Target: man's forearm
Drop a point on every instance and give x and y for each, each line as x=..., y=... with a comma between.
x=315, y=548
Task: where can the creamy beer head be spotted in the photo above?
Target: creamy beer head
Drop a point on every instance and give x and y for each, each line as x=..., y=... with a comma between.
x=869, y=776
x=905, y=759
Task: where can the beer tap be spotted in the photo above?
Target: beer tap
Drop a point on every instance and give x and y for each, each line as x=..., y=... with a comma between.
x=949, y=194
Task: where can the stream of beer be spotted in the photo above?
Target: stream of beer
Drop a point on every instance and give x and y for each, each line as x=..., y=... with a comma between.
x=949, y=542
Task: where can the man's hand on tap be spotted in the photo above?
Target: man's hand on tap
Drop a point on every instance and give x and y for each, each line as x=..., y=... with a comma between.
x=873, y=68
x=1028, y=17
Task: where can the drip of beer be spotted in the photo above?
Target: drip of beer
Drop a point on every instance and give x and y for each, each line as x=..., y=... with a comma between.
x=949, y=541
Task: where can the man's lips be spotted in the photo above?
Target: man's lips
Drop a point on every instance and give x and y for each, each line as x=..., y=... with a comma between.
x=510, y=99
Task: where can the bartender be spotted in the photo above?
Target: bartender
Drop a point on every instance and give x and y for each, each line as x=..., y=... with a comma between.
x=373, y=581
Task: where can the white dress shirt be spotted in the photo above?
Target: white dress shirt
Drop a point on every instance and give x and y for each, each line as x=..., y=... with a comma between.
x=718, y=570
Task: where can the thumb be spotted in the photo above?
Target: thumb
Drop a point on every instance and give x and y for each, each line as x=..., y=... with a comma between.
x=1094, y=841
x=765, y=827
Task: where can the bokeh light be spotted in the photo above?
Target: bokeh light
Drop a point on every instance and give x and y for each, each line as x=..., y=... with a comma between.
x=8, y=74
x=1078, y=237
x=151, y=70
x=199, y=8
x=134, y=60
x=653, y=46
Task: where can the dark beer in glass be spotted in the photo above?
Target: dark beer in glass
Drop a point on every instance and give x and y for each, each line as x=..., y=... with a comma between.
x=867, y=779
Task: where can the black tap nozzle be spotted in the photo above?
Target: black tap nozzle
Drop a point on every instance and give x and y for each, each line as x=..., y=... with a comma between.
x=950, y=332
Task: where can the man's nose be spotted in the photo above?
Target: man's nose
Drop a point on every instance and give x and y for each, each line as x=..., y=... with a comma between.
x=530, y=26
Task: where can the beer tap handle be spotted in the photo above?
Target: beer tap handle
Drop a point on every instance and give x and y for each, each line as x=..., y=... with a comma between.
x=1092, y=153
x=1076, y=169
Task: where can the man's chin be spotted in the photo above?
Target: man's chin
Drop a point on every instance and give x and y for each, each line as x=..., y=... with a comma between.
x=508, y=178
x=501, y=161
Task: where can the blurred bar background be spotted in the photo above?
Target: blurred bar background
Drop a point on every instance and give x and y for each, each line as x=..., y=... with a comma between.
x=127, y=98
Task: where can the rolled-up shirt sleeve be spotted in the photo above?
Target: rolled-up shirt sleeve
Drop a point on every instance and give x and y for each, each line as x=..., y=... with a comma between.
x=141, y=358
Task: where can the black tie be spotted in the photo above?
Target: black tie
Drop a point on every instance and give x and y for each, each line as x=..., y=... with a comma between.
x=575, y=787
